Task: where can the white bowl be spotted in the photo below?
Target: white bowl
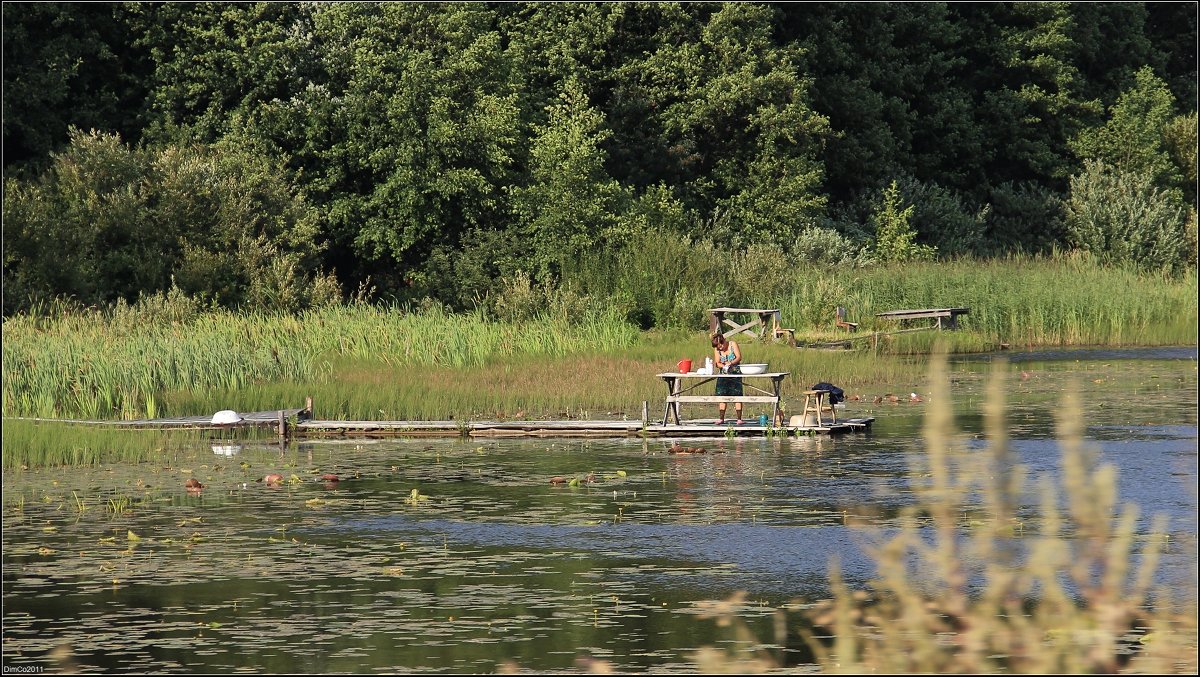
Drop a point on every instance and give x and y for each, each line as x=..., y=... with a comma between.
x=225, y=417
x=754, y=368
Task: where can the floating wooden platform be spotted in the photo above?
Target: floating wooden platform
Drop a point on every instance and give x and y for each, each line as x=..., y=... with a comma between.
x=256, y=419
x=701, y=428
x=294, y=423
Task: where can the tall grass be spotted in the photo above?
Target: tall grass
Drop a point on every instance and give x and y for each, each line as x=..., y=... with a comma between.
x=973, y=581
x=94, y=365
x=1037, y=300
x=1060, y=301
x=571, y=355
x=587, y=385
x=33, y=444
x=366, y=362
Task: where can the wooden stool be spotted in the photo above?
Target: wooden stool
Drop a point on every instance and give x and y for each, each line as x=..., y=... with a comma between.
x=813, y=404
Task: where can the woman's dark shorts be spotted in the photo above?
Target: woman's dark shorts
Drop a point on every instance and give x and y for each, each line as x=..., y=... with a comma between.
x=730, y=387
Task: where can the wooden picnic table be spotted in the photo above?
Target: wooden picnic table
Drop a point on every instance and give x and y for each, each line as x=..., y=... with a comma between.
x=947, y=318
x=677, y=392
x=757, y=322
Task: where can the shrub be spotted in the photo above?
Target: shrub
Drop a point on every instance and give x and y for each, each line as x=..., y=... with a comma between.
x=1122, y=217
x=964, y=586
x=894, y=234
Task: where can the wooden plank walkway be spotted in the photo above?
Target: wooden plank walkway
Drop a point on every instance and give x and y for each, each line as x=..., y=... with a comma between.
x=303, y=427
x=255, y=419
x=697, y=428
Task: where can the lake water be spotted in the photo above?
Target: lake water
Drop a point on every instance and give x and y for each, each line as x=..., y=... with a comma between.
x=491, y=567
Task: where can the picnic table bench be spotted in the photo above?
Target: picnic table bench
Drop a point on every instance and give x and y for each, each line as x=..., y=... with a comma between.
x=947, y=318
x=677, y=392
x=756, y=322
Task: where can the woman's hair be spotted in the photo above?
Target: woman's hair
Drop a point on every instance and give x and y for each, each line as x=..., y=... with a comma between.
x=717, y=340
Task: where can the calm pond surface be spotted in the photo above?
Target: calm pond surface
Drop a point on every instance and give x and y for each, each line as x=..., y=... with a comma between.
x=490, y=566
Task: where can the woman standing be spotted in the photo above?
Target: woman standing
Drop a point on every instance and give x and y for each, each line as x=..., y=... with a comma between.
x=727, y=355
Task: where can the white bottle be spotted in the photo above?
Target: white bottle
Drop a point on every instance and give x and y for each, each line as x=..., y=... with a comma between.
x=708, y=366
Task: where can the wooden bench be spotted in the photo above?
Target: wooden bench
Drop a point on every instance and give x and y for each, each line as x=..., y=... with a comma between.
x=778, y=331
x=755, y=326
x=945, y=318
x=841, y=323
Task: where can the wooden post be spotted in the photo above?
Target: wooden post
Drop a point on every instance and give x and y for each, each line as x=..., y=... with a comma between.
x=645, y=413
x=308, y=406
x=282, y=426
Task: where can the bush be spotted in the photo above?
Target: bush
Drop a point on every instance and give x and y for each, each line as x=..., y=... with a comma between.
x=942, y=220
x=106, y=222
x=828, y=247
x=895, y=239
x=1122, y=217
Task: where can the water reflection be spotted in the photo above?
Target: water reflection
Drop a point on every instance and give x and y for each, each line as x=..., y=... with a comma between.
x=226, y=449
x=498, y=564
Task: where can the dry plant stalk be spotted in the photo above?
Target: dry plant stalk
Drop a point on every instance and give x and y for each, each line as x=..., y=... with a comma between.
x=989, y=595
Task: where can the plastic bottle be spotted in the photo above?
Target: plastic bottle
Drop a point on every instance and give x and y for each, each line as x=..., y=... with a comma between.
x=708, y=365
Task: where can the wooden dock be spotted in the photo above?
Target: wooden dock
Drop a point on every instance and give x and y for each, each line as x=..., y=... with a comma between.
x=628, y=428
x=296, y=424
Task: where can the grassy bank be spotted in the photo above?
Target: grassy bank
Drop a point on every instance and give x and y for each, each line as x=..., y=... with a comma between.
x=1062, y=300
x=574, y=355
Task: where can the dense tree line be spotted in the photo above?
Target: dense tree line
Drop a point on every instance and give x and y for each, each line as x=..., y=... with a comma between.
x=291, y=153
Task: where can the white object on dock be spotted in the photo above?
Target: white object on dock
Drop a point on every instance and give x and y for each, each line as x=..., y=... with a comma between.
x=226, y=416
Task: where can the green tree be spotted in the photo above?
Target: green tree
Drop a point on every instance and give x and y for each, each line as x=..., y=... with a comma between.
x=1179, y=140
x=889, y=78
x=413, y=136
x=1021, y=65
x=895, y=238
x=67, y=64
x=740, y=138
x=1134, y=137
x=570, y=204
x=216, y=64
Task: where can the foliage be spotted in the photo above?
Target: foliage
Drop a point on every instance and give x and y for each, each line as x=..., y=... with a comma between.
x=1057, y=600
x=828, y=247
x=1133, y=138
x=68, y=65
x=894, y=234
x=1024, y=217
x=570, y=204
x=109, y=222
x=432, y=150
x=942, y=219
x=1179, y=139
x=1122, y=216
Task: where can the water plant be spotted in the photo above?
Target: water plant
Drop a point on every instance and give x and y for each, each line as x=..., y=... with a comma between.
x=46, y=443
x=119, y=504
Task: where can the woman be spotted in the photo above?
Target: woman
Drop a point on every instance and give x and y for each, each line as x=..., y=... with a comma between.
x=727, y=355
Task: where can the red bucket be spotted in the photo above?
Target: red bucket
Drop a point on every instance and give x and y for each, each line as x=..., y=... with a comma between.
x=684, y=366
